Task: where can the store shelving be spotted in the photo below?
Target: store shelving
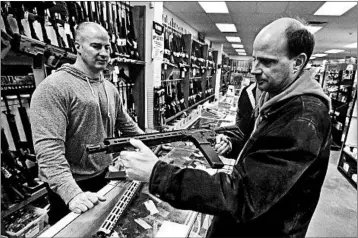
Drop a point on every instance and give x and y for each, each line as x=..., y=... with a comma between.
x=338, y=86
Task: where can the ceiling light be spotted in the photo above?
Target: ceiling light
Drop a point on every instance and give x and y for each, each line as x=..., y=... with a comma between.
x=214, y=7
x=233, y=39
x=353, y=45
x=333, y=51
x=224, y=27
x=313, y=29
x=312, y=57
x=242, y=53
x=237, y=46
x=334, y=8
x=319, y=55
x=240, y=50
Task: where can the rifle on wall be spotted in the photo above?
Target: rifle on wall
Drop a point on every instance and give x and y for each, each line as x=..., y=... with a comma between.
x=11, y=121
x=25, y=123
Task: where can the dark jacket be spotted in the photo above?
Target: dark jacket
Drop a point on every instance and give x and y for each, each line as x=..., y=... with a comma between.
x=245, y=106
x=275, y=186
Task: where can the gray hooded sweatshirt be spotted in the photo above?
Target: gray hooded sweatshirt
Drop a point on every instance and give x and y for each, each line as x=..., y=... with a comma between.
x=68, y=111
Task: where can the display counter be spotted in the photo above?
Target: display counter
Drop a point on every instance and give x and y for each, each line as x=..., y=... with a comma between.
x=131, y=211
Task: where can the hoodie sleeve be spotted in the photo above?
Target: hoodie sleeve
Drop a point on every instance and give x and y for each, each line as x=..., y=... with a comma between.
x=124, y=123
x=48, y=114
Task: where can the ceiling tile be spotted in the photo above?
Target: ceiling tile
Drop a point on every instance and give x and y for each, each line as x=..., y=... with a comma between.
x=300, y=8
x=245, y=7
x=271, y=7
x=220, y=18
x=179, y=6
x=201, y=18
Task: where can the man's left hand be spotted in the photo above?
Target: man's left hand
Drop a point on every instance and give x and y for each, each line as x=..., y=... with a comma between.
x=139, y=164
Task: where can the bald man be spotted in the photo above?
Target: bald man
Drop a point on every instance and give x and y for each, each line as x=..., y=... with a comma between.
x=71, y=108
x=281, y=162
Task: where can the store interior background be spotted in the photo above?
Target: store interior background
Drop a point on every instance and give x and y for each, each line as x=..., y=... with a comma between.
x=336, y=215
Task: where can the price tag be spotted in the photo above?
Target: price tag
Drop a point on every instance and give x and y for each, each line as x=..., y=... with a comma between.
x=115, y=77
x=142, y=223
x=183, y=74
x=165, y=66
x=194, y=72
x=113, y=39
x=346, y=167
x=151, y=207
x=116, y=69
x=67, y=29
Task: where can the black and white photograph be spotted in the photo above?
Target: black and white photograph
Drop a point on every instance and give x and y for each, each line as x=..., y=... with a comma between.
x=140, y=119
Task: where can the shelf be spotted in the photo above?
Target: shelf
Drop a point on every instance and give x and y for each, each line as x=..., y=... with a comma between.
x=172, y=80
x=192, y=106
x=350, y=180
x=350, y=155
x=195, y=78
x=20, y=205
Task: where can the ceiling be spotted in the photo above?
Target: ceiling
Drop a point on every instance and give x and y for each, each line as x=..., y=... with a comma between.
x=250, y=17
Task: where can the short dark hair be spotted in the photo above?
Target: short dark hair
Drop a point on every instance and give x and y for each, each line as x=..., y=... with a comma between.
x=299, y=40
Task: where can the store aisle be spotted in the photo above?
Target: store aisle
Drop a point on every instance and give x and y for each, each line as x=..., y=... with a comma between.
x=336, y=214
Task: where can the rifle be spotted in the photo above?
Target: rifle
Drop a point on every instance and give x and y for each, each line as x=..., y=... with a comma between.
x=10, y=168
x=203, y=139
x=20, y=172
x=118, y=42
x=131, y=37
x=90, y=11
x=103, y=17
x=123, y=30
x=25, y=123
x=84, y=11
x=4, y=14
x=12, y=122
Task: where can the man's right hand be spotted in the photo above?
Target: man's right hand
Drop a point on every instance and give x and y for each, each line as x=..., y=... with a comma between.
x=223, y=144
x=84, y=201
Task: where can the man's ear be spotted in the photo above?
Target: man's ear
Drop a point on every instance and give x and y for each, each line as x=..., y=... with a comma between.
x=77, y=46
x=300, y=62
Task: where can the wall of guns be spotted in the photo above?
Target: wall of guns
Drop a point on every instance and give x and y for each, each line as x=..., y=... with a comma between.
x=186, y=62
x=55, y=22
x=52, y=24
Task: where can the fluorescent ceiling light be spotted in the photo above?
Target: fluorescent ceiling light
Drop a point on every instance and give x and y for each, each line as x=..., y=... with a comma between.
x=233, y=39
x=353, y=45
x=214, y=7
x=334, y=8
x=319, y=55
x=242, y=53
x=237, y=46
x=313, y=29
x=333, y=51
x=240, y=50
x=224, y=27
x=312, y=57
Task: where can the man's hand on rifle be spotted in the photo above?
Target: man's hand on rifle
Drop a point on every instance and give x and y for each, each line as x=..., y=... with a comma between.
x=223, y=144
x=139, y=164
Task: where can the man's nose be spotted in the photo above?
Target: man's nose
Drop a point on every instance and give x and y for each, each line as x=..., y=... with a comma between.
x=104, y=52
x=255, y=70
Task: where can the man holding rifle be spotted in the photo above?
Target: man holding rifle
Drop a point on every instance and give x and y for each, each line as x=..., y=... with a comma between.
x=281, y=162
x=71, y=108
